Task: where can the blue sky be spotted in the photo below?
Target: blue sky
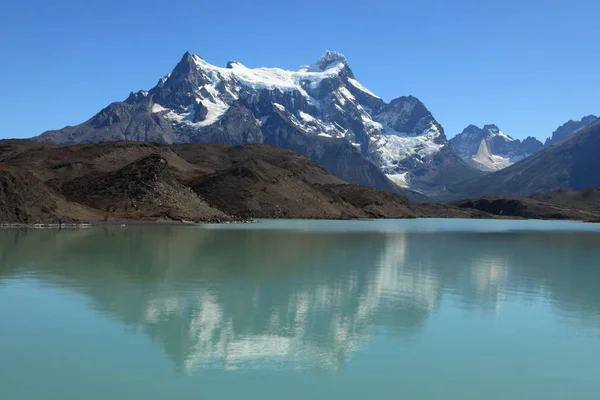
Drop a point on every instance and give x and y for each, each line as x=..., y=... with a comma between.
x=527, y=65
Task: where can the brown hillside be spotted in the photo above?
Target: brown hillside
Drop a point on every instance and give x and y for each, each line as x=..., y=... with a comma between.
x=144, y=189
x=26, y=200
x=199, y=182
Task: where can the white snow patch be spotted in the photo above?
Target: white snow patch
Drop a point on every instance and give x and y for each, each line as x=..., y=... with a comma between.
x=346, y=94
x=391, y=131
x=369, y=124
x=324, y=134
x=279, y=107
x=306, y=117
x=505, y=136
x=216, y=107
x=156, y=108
x=215, y=111
x=337, y=61
x=271, y=78
x=235, y=96
x=391, y=149
x=401, y=180
x=486, y=161
x=360, y=87
x=180, y=117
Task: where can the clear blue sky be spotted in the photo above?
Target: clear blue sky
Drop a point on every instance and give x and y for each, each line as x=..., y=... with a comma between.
x=525, y=65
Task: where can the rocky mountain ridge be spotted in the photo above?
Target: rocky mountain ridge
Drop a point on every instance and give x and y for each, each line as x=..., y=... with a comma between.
x=571, y=163
x=569, y=128
x=319, y=110
x=489, y=149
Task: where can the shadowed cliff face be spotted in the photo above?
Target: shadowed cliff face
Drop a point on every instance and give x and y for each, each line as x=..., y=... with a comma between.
x=221, y=298
x=569, y=128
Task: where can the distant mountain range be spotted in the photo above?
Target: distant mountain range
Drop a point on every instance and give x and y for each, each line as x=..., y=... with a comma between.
x=571, y=163
x=490, y=149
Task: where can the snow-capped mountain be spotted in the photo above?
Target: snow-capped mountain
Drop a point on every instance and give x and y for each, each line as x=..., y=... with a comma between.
x=571, y=163
x=489, y=149
x=319, y=110
x=568, y=128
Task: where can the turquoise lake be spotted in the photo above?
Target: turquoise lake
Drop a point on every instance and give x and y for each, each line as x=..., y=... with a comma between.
x=398, y=309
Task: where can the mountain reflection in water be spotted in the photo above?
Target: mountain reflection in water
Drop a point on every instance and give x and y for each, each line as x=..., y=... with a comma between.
x=246, y=298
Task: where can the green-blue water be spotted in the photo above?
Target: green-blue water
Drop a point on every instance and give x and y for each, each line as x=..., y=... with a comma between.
x=421, y=309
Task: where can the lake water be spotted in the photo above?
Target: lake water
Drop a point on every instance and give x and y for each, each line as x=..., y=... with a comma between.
x=417, y=309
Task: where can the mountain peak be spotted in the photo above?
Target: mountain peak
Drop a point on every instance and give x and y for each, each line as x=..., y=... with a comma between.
x=188, y=58
x=329, y=59
x=491, y=127
x=490, y=149
x=471, y=128
x=184, y=65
